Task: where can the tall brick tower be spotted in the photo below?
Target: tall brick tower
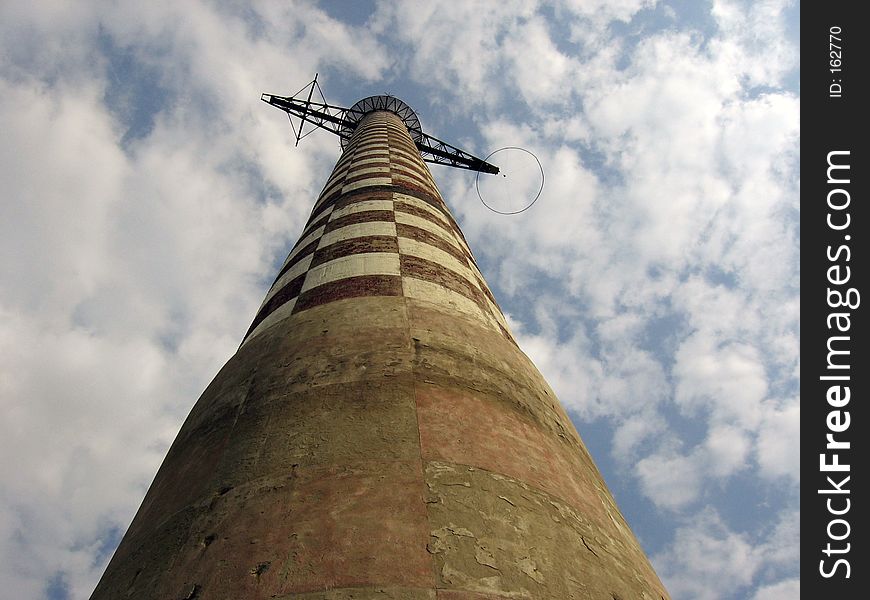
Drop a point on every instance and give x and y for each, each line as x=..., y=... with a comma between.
x=379, y=434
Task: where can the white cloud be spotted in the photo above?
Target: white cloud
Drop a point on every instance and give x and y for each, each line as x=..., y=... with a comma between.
x=778, y=442
x=538, y=69
x=606, y=10
x=696, y=223
x=567, y=367
x=726, y=449
x=708, y=560
x=80, y=448
x=674, y=480
x=753, y=39
x=788, y=589
x=671, y=480
x=453, y=47
x=633, y=431
x=634, y=381
x=663, y=251
x=727, y=379
x=132, y=271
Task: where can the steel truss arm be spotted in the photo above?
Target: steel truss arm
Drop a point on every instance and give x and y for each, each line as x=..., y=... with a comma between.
x=325, y=116
x=442, y=153
x=343, y=121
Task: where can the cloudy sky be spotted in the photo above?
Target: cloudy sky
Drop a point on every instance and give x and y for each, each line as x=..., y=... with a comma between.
x=149, y=196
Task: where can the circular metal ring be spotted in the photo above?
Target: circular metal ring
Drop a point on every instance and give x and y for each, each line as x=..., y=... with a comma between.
x=385, y=102
x=529, y=205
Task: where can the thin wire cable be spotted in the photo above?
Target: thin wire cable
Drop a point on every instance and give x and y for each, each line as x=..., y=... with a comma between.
x=535, y=199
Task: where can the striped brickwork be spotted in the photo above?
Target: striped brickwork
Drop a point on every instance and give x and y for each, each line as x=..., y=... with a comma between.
x=380, y=228
x=379, y=434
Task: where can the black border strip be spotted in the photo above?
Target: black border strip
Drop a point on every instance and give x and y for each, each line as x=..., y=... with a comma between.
x=832, y=106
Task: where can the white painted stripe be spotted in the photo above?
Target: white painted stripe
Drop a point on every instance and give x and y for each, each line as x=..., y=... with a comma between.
x=397, y=135
x=422, y=205
x=416, y=181
x=412, y=158
x=378, y=160
x=327, y=192
x=429, y=177
x=279, y=314
x=321, y=200
x=362, y=206
x=437, y=255
x=404, y=169
x=414, y=220
x=304, y=242
x=493, y=307
x=359, y=134
x=496, y=313
x=384, y=169
x=410, y=151
x=358, y=230
x=340, y=166
x=371, y=154
x=447, y=299
x=370, y=148
x=417, y=221
x=402, y=139
x=403, y=166
x=462, y=243
x=369, y=182
x=346, y=157
x=291, y=274
x=325, y=212
x=336, y=176
x=372, y=145
x=375, y=263
x=473, y=266
x=399, y=130
x=422, y=174
x=436, y=188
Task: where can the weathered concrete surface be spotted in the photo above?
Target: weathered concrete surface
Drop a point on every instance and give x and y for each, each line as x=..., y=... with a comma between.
x=379, y=434
x=366, y=594
x=497, y=535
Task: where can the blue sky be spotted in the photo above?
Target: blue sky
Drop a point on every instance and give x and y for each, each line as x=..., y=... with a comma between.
x=149, y=197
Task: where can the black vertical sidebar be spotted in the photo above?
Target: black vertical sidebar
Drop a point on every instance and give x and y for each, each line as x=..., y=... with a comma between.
x=834, y=301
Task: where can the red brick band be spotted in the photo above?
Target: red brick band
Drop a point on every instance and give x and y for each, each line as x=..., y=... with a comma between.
x=363, y=216
x=408, y=165
x=398, y=188
x=485, y=289
x=356, y=178
x=285, y=294
x=410, y=209
x=309, y=249
x=397, y=141
x=311, y=226
x=427, y=270
x=364, y=145
x=350, y=287
x=401, y=176
x=360, y=245
x=427, y=237
x=362, y=195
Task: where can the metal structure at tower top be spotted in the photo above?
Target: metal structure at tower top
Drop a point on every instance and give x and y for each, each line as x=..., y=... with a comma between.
x=343, y=121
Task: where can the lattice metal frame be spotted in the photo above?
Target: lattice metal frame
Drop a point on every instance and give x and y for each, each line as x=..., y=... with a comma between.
x=343, y=121
x=355, y=113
